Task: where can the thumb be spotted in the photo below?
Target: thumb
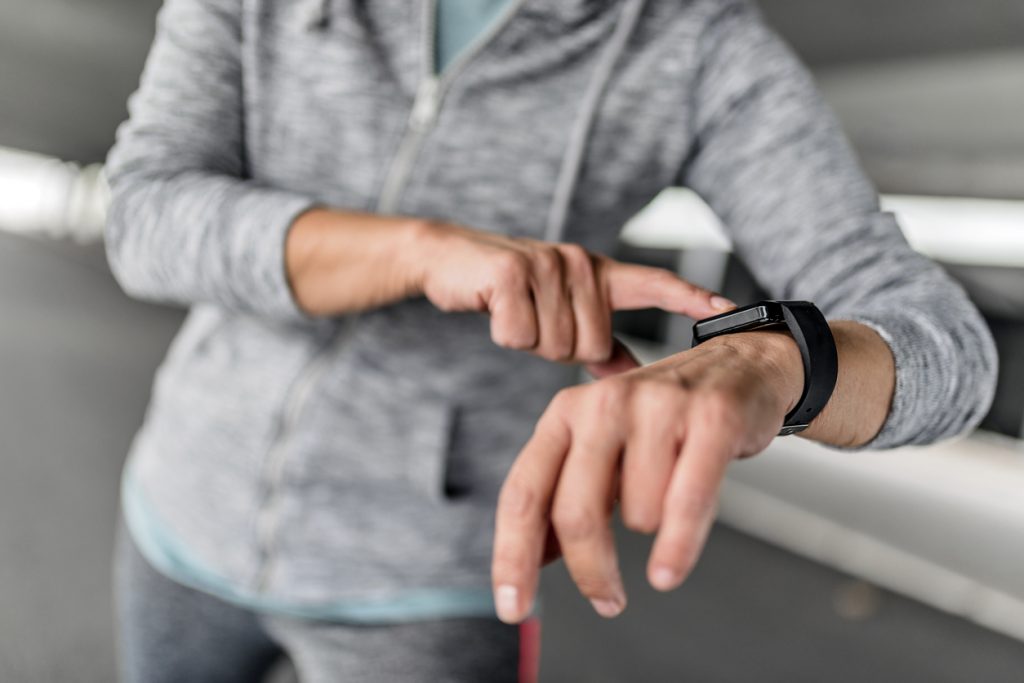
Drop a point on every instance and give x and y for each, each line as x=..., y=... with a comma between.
x=631, y=286
x=621, y=360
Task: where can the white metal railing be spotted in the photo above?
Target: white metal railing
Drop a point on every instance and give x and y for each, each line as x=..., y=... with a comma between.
x=40, y=195
x=957, y=230
x=43, y=195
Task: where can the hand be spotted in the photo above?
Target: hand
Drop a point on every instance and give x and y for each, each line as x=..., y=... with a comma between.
x=658, y=440
x=555, y=300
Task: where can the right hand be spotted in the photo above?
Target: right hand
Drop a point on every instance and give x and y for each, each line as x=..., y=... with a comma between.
x=552, y=299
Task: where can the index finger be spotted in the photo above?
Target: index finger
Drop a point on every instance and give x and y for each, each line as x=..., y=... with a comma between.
x=522, y=518
x=632, y=286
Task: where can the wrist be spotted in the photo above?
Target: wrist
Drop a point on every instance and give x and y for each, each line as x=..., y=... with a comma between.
x=864, y=388
x=303, y=246
x=775, y=356
x=421, y=238
x=338, y=261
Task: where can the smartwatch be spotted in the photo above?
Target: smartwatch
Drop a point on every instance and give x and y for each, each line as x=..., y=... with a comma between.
x=813, y=337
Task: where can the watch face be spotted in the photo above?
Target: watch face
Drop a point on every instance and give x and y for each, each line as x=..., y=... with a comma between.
x=749, y=317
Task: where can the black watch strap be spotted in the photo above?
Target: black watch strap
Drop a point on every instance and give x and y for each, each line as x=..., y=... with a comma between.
x=813, y=337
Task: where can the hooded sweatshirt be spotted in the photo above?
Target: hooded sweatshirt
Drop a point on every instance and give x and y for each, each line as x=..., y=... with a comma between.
x=312, y=462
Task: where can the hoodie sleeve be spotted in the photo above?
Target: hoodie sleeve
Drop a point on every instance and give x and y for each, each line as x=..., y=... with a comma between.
x=185, y=224
x=771, y=161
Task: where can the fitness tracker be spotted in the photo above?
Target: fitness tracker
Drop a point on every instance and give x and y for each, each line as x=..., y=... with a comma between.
x=811, y=332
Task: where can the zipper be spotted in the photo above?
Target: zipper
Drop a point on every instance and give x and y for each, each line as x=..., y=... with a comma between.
x=268, y=516
x=429, y=95
x=421, y=120
x=422, y=117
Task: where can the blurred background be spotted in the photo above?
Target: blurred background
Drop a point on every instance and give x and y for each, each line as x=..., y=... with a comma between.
x=900, y=566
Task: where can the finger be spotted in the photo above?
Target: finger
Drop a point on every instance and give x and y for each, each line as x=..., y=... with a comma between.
x=649, y=458
x=591, y=311
x=556, y=324
x=522, y=518
x=513, y=318
x=621, y=360
x=631, y=286
x=689, y=506
x=582, y=512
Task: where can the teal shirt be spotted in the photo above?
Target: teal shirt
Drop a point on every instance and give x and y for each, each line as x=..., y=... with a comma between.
x=458, y=23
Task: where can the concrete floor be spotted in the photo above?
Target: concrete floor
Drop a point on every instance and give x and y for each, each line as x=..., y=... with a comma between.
x=76, y=358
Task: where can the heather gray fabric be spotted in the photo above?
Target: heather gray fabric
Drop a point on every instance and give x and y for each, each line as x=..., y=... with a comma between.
x=432, y=651
x=311, y=461
x=169, y=633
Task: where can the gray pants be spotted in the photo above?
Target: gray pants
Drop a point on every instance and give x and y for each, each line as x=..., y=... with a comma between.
x=174, y=634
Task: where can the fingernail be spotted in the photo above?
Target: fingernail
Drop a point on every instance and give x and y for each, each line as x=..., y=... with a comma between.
x=664, y=579
x=721, y=303
x=506, y=602
x=607, y=608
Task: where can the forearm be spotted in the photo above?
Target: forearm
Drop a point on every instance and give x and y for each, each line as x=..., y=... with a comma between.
x=864, y=388
x=340, y=262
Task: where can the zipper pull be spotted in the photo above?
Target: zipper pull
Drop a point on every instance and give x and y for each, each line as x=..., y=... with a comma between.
x=426, y=104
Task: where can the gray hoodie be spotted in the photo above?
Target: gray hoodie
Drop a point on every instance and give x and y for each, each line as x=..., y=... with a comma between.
x=311, y=461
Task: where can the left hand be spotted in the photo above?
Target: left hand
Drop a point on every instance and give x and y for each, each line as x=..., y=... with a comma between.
x=656, y=439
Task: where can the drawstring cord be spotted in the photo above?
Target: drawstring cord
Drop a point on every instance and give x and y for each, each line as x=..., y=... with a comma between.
x=568, y=174
x=572, y=162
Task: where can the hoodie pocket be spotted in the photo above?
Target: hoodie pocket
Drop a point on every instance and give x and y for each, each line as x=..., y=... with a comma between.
x=428, y=450
x=362, y=438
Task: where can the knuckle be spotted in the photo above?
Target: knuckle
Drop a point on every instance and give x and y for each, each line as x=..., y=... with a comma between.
x=562, y=348
x=518, y=501
x=561, y=354
x=510, y=337
x=558, y=341
x=555, y=350
x=575, y=522
x=593, y=353
x=720, y=408
x=673, y=279
x=510, y=269
x=594, y=344
x=577, y=258
x=660, y=395
x=547, y=262
x=609, y=396
x=565, y=400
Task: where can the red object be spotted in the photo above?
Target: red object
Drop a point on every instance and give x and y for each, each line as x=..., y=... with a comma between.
x=529, y=650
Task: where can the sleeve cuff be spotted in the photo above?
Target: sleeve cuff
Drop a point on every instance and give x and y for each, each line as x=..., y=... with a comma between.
x=264, y=218
x=923, y=390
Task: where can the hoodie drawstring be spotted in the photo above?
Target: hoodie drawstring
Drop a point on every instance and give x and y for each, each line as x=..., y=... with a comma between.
x=569, y=173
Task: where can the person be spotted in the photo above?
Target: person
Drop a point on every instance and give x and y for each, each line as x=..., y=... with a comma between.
x=391, y=223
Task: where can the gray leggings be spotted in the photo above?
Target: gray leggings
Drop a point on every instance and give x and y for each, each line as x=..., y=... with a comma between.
x=174, y=634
